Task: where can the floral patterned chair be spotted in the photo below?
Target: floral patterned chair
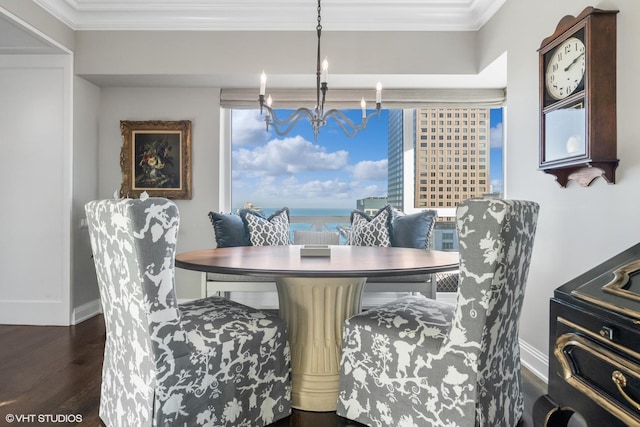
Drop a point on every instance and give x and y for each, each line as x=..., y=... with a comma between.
x=209, y=362
x=418, y=362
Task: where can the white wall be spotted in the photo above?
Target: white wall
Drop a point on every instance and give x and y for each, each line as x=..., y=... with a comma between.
x=202, y=107
x=578, y=227
x=35, y=118
x=227, y=55
x=86, y=103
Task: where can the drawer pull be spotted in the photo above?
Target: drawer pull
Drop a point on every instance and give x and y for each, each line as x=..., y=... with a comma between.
x=621, y=381
x=606, y=332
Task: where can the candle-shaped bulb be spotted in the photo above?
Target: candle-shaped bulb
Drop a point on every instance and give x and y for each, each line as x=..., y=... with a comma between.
x=263, y=83
x=363, y=105
x=325, y=70
x=378, y=93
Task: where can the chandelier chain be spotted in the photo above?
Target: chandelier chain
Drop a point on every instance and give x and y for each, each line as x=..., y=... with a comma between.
x=318, y=117
x=319, y=104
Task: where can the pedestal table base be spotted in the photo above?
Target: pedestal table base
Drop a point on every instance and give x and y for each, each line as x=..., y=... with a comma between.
x=315, y=309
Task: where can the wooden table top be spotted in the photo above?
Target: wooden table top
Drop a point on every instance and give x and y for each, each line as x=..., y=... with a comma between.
x=345, y=261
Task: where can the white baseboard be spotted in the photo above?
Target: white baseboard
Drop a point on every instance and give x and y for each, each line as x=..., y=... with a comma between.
x=35, y=313
x=86, y=311
x=534, y=360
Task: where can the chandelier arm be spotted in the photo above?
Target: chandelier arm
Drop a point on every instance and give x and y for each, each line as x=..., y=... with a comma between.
x=347, y=126
x=290, y=121
x=297, y=115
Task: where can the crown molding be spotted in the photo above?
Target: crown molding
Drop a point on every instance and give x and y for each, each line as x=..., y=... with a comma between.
x=277, y=15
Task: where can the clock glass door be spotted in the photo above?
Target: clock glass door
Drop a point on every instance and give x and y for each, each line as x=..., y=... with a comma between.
x=564, y=134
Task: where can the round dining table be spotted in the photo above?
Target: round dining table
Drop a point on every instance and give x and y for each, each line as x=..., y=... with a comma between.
x=316, y=294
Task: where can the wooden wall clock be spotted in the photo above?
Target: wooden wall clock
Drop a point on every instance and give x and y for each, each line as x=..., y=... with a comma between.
x=578, y=98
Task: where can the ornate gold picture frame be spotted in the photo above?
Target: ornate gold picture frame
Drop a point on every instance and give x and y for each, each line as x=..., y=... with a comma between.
x=156, y=158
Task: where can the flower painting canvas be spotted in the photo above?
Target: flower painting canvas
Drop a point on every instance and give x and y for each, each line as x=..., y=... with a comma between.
x=156, y=158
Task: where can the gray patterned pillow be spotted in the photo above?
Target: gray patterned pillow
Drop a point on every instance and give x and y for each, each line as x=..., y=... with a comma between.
x=368, y=231
x=272, y=231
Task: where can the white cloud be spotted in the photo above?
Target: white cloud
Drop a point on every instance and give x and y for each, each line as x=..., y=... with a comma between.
x=287, y=156
x=371, y=170
x=295, y=172
x=290, y=191
x=248, y=128
x=496, y=136
x=496, y=185
x=316, y=189
x=372, y=190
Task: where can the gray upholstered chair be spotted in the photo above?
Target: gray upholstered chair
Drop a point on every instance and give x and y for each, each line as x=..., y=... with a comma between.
x=419, y=362
x=206, y=362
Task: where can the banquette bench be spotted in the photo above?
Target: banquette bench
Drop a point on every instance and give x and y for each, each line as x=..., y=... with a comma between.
x=388, y=227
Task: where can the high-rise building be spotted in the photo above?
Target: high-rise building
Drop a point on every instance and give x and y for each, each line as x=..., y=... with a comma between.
x=451, y=156
x=395, y=158
x=371, y=205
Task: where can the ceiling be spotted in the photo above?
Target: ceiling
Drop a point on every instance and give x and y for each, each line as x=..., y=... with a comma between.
x=15, y=39
x=241, y=15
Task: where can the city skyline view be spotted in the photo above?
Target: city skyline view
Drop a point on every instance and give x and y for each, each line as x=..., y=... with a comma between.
x=333, y=172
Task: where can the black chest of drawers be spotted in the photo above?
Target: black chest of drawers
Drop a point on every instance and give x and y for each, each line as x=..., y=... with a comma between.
x=594, y=346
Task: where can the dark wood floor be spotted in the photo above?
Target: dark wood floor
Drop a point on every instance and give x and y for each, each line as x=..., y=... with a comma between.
x=56, y=371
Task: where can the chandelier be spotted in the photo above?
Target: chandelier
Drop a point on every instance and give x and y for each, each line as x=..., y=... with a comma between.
x=317, y=116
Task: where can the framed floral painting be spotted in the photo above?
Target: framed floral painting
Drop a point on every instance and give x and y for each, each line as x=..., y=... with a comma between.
x=156, y=158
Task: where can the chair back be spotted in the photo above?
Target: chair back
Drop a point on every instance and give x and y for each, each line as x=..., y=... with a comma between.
x=496, y=241
x=134, y=244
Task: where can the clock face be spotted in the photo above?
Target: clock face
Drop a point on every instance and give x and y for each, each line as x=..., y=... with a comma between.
x=565, y=68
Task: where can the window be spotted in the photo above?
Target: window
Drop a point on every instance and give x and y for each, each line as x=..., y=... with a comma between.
x=328, y=176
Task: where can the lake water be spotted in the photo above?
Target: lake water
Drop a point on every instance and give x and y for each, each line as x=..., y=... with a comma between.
x=312, y=211
x=320, y=212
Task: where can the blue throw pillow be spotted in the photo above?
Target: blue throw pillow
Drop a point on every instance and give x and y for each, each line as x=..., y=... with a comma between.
x=413, y=230
x=229, y=229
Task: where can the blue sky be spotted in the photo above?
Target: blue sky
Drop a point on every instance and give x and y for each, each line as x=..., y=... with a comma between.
x=496, y=139
x=332, y=172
